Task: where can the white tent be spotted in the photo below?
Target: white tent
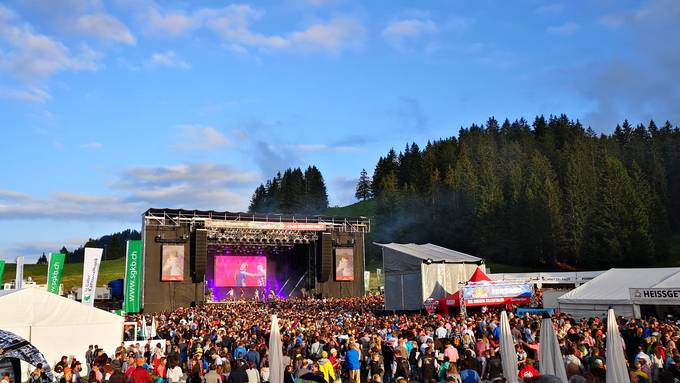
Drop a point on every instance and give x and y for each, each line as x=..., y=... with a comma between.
x=56, y=325
x=611, y=289
x=414, y=273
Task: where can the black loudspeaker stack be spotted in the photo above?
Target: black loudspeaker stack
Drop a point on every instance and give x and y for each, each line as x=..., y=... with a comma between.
x=326, y=264
x=199, y=254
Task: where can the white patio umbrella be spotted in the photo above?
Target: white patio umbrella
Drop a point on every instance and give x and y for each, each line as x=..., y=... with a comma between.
x=508, y=353
x=551, y=361
x=276, y=366
x=617, y=370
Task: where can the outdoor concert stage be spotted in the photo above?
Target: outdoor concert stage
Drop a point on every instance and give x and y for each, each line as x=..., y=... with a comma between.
x=195, y=257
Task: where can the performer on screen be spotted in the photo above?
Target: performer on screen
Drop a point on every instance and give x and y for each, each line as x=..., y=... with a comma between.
x=241, y=275
x=261, y=275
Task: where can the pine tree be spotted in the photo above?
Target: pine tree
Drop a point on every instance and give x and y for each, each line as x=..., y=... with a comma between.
x=543, y=223
x=363, y=190
x=316, y=194
x=618, y=231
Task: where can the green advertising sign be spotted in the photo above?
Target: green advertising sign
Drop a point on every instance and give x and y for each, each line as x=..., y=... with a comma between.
x=54, y=271
x=133, y=277
x=2, y=271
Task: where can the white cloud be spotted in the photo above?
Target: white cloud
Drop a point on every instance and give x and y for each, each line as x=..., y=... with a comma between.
x=167, y=59
x=191, y=186
x=171, y=23
x=105, y=27
x=566, y=29
x=92, y=145
x=333, y=36
x=140, y=176
x=200, y=137
x=30, y=94
x=6, y=195
x=69, y=206
x=32, y=54
x=401, y=31
x=233, y=24
x=547, y=9
x=194, y=185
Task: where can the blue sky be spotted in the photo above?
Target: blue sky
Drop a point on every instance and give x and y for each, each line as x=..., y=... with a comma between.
x=109, y=108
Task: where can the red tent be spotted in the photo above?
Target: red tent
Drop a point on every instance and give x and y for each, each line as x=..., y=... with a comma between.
x=454, y=299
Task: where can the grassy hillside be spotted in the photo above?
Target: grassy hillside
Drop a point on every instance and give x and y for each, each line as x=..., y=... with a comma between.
x=73, y=273
x=359, y=209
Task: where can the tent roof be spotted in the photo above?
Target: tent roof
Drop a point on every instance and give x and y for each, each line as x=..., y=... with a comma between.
x=433, y=252
x=612, y=286
x=34, y=306
x=479, y=276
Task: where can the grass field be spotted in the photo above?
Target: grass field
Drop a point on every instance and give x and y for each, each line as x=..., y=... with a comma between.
x=73, y=273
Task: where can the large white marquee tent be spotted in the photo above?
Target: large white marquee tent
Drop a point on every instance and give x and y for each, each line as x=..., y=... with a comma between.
x=414, y=273
x=612, y=289
x=56, y=325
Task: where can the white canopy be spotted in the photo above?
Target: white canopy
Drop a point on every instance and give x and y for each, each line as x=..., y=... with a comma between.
x=611, y=289
x=414, y=273
x=56, y=325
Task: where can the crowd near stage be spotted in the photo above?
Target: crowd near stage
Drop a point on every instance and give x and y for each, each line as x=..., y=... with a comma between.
x=193, y=257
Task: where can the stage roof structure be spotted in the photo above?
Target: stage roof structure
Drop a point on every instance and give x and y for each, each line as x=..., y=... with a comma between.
x=217, y=219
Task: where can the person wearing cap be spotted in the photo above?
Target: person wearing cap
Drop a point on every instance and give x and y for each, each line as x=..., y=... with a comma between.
x=326, y=367
x=140, y=374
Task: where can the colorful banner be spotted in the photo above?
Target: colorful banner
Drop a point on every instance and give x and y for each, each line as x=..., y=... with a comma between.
x=133, y=277
x=54, y=272
x=93, y=257
x=2, y=271
x=19, y=278
x=492, y=293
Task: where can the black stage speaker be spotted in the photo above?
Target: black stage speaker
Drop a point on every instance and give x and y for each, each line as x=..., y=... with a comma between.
x=326, y=269
x=199, y=254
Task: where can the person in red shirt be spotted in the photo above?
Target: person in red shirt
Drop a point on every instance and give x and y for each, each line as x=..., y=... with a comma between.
x=140, y=374
x=528, y=371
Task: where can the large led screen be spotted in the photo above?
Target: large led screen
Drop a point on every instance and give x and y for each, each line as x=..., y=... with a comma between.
x=240, y=271
x=172, y=263
x=344, y=264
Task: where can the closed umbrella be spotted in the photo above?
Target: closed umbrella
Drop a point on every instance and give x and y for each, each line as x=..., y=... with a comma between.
x=617, y=370
x=276, y=366
x=508, y=353
x=551, y=361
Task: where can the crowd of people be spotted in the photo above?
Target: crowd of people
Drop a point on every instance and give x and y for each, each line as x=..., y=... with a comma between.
x=346, y=340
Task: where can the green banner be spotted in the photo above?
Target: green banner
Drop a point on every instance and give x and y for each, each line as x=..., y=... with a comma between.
x=54, y=272
x=2, y=271
x=133, y=277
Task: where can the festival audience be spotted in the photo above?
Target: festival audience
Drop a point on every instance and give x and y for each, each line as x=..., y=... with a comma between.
x=347, y=340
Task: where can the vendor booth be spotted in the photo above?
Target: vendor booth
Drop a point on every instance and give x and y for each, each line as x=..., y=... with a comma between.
x=480, y=290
